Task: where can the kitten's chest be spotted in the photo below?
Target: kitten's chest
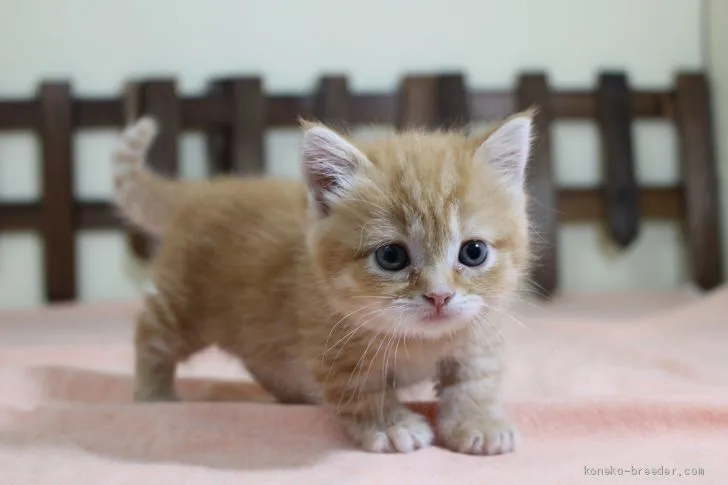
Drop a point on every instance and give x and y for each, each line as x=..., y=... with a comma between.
x=413, y=364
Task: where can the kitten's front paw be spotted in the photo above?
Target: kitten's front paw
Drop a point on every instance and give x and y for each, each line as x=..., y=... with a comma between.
x=409, y=432
x=489, y=436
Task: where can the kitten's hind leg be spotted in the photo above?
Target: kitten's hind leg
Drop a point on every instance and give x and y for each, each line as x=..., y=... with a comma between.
x=159, y=346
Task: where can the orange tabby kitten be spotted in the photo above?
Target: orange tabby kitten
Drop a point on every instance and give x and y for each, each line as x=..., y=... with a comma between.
x=386, y=266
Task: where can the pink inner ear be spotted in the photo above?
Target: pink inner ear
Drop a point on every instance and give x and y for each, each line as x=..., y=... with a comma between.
x=320, y=184
x=322, y=181
x=329, y=163
x=508, y=147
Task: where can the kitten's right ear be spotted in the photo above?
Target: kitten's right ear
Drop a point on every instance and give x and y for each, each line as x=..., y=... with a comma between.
x=508, y=147
x=330, y=164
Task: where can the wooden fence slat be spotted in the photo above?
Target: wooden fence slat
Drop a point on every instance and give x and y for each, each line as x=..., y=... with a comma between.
x=159, y=99
x=217, y=136
x=204, y=112
x=239, y=146
x=702, y=204
x=582, y=205
x=370, y=109
x=331, y=103
x=533, y=91
x=491, y=106
x=453, y=101
x=24, y=216
x=242, y=112
x=99, y=113
x=247, y=130
x=20, y=216
x=418, y=103
x=621, y=192
x=19, y=115
x=201, y=112
x=58, y=222
x=573, y=205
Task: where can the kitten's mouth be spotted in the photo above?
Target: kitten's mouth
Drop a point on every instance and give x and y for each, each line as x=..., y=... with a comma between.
x=437, y=317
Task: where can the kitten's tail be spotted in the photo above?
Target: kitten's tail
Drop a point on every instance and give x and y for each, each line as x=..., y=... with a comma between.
x=144, y=198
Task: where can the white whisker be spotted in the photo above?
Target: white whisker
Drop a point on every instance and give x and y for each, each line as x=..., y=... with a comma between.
x=326, y=345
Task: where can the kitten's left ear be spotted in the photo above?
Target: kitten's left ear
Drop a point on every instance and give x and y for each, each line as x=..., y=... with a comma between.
x=508, y=147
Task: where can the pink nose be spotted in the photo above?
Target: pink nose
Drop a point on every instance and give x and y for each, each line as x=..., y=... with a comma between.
x=438, y=300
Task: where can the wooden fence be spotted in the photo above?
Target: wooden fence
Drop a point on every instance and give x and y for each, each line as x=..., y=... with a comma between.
x=236, y=112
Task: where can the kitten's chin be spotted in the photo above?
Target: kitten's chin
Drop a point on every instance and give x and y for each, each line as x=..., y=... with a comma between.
x=433, y=326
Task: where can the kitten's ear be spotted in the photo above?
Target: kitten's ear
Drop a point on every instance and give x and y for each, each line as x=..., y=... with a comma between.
x=508, y=147
x=330, y=164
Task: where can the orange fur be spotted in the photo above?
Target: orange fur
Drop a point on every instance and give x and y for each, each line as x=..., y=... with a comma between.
x=281, y=274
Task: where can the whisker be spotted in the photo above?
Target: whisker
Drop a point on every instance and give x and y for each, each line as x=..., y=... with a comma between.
x=492, y=334
x=503, y=312
x=400, y=337
x=326, y=344
x=358, y=370
x=373, y=297
x=351, y=332
x=350, y=335
x=387, y=354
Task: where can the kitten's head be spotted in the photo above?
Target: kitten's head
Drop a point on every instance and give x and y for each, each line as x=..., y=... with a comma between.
x=423, y=232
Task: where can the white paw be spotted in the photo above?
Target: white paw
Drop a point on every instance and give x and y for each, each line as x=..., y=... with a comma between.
x=480, y=437
x=408, y=434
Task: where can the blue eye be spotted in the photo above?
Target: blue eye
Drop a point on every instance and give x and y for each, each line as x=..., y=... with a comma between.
x=392, y=257
x=473, y=253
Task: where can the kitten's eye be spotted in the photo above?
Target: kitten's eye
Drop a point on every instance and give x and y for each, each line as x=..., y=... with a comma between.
x=473, y=253
x=392, y=257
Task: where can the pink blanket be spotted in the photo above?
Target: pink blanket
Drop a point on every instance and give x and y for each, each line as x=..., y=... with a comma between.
x=604, y=389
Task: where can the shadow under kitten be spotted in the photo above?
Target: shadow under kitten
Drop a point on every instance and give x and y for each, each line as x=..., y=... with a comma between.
x=103, y=420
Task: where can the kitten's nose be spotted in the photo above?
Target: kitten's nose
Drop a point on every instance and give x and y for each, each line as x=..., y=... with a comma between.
x=438, y=300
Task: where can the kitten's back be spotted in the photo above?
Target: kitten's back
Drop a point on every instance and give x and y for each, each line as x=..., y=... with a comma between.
x=251, y=220
x=229, y=253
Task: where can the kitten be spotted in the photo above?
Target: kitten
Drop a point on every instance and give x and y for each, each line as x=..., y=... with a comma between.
x=386, y=266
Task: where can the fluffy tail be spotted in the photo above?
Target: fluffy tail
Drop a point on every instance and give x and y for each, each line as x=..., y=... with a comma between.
x=144, y=198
